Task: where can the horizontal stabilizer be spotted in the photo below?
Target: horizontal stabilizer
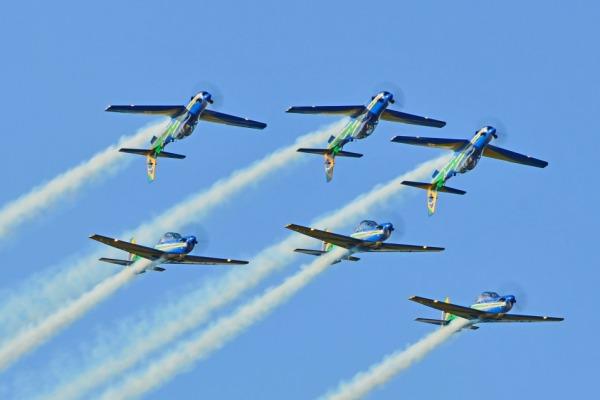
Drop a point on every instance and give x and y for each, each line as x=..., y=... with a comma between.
x=168, y=111
x=350, y=111
x=124, y=263
x=449, y=144
x=397, y=116
x=314, y=151
x=146, y=152
x=348, y=154
x=427, y=186
x=442, y=322
x=510, y=156
x=330, y=151
x=321, y=252
x=221, y=118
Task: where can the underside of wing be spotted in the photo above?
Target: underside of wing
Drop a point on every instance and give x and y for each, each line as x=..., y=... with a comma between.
x=449, y=144
x=208, y=261
x=124, y=263
x=463, y=312
x=142, y=251
x=339, y=240
x=522, y=318
x=350, y=111
x=393, y=247
x=397, y=116
x=168, y=111
x=220, y=118
x=510, y=156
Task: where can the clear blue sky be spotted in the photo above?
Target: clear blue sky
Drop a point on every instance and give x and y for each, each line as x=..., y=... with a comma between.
x=534, y=65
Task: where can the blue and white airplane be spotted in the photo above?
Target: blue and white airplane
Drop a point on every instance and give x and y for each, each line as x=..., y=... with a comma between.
x=364, y=120
x=172, y=248
x=466, y=155
x=488, y=307
x=368, y=236
x=183, y=122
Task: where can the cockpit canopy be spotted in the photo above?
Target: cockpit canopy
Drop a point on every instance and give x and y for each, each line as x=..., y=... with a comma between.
x=486, y=296
x=170, y=237
x=364, y=225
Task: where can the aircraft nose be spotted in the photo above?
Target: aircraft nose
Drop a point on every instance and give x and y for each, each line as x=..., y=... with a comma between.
x=192, y=240
x=492, y=131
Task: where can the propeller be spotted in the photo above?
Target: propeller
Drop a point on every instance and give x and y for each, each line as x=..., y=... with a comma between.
x=501, y=130
x=216, y=94
x=516, y=290
x=394, y=89
x=201, y=238
x=397, y=220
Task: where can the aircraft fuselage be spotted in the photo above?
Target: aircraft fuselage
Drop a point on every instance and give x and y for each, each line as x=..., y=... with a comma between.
x=466, y=159
x=363, y=124
x=182, y=125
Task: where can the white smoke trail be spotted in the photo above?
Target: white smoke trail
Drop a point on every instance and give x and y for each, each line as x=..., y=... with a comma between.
x=42, y=197
x=33, y=337
x=221, y=332
x=195, y=308
x=56, y=290
x=381, y=373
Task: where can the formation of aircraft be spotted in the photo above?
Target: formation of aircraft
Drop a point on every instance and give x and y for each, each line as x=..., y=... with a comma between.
x=488, y=307
x=172, y=248
x=467, y=154
x=183, y=122
x=363, y=121
x=368, y=236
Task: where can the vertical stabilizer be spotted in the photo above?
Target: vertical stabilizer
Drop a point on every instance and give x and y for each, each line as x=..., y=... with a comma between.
x=326, y=246
x=329, y=164
x=133, y=257
x=432, y=194
x=151, y=165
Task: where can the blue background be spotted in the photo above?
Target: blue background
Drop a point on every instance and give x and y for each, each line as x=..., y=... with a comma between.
x=534, y=65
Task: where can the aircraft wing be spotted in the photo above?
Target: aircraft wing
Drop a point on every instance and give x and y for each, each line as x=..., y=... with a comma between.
x=339, y=240
x=142, y=251
x=393, y=247
x=510, y=156
x=442, y=322
x=463, y=312
x=220, y=118
x=350, y=111
x=397, y=116
x=449, y=144
x=523, y=318
x=207, y=261
x=168, y=111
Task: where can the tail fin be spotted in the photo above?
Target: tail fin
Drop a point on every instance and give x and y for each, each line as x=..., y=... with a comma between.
x=132, y=257
x=447, y=316
x=432, y=192
x=428, y=186
x=151, y=167
x=329, y=164
x=326, y=246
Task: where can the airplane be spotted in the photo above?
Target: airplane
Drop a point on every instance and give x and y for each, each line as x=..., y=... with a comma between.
x=368, y=236
x=488, y=307
x=466, y=155
x=364, y=120
x=183, y=122
x=172, y=248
